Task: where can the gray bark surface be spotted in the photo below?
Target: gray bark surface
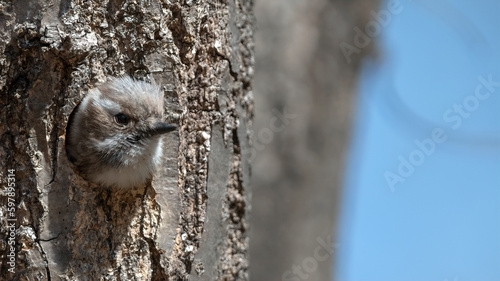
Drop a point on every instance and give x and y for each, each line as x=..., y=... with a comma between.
x=192, y=220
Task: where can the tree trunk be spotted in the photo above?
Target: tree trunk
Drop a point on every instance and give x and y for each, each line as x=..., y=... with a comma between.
x=306, y=75
x=191, y=220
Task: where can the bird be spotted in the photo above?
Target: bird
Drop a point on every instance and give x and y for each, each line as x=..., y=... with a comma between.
x=114, y=135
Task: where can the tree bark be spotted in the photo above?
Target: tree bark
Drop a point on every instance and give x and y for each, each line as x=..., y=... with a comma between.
x=191, y=220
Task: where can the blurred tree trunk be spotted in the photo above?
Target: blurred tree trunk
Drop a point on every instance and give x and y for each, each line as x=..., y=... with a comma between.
x=305, y=87
x=191, y=221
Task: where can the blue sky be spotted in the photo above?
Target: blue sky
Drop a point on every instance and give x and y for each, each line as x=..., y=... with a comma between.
x=422, y=191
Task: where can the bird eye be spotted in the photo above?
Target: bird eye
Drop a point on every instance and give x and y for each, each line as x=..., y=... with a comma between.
x=121, y=119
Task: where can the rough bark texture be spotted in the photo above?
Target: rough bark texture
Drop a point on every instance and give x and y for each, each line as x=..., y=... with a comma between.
x=302, y=75
x=191, y=221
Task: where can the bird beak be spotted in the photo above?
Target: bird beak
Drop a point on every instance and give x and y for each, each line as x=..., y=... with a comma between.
x=161, y=128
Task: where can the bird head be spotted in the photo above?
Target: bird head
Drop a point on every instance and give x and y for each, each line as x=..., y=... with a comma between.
x=118, y=127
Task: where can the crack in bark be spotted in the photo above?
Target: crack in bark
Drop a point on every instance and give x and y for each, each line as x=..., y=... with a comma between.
x=158, y=272
x=44, y=255
x=49, y=239
x=230, y=66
